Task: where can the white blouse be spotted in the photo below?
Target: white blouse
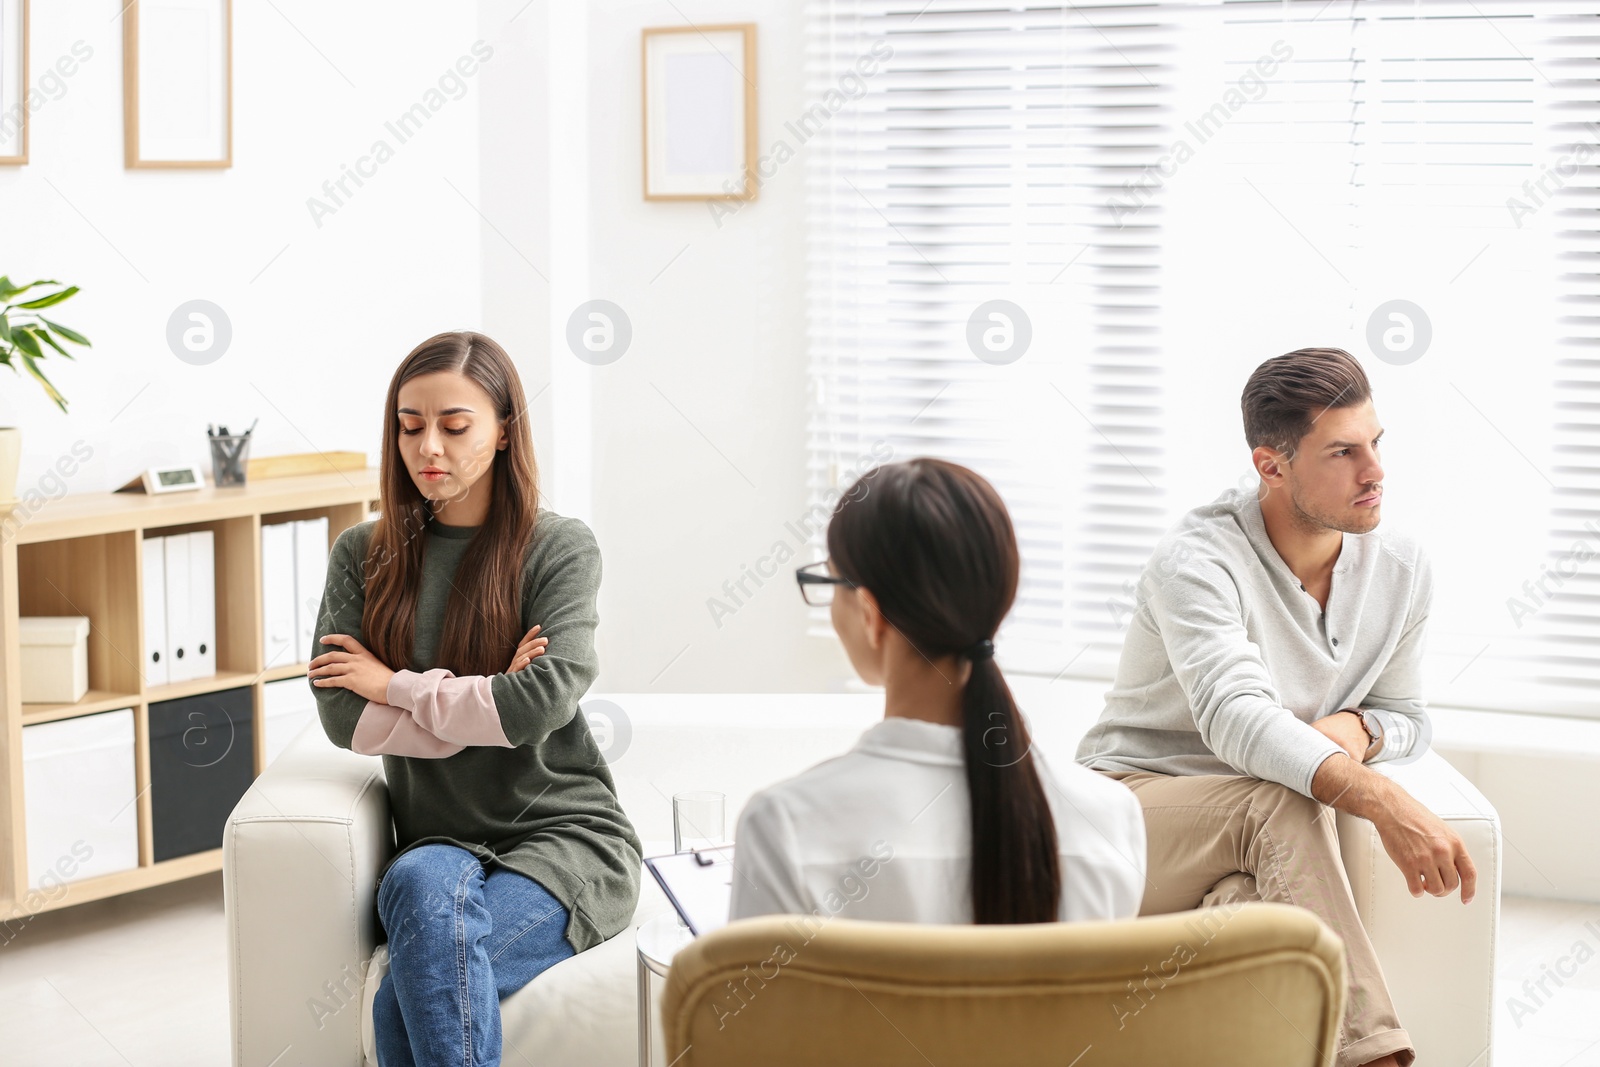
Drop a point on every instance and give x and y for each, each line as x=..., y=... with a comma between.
x=884, y=832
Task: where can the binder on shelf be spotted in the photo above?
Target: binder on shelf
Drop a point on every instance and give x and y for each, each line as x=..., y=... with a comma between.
x=203, y=594
x=277, y=595
x=310, y=575
x=180, y=610
x=154, y=595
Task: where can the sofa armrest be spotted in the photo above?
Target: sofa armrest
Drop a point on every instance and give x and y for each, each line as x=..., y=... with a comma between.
x=301, y=855
x=1437, y=954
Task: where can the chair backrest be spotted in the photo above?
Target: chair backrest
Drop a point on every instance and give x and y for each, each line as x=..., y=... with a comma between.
x=1235, y=985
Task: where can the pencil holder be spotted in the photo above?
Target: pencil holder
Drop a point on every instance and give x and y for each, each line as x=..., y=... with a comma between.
x=227, y=459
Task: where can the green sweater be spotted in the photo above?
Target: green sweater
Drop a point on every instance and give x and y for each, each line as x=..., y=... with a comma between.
x=546, y=808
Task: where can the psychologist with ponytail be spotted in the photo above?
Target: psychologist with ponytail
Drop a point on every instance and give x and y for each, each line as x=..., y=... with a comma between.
x=943, y=812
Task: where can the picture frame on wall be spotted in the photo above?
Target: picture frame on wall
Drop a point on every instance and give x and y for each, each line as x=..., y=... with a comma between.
x=13, y=82
x=699, y=112
x=177, y=95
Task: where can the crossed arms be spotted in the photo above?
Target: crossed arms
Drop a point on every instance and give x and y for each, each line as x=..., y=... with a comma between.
x=369, y=708
x=429, y=715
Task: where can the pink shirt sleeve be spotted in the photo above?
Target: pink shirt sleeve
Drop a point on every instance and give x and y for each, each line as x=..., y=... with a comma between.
x=385, y=730
x=459, y=710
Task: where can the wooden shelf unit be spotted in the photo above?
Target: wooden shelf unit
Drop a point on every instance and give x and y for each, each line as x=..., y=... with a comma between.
x=81, y=555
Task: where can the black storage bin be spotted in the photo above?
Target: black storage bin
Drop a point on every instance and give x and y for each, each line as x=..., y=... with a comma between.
x=202, y=759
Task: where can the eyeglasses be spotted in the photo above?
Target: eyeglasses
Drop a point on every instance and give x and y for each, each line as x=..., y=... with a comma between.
x=816, y=584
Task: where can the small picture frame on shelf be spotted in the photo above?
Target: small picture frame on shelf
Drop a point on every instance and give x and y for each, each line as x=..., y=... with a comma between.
x=13, y=82
x=699, y=86
x=177, y=94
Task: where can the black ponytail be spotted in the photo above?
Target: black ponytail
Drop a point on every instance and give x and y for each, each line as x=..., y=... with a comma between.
x=1016, y=872
x=934, y=544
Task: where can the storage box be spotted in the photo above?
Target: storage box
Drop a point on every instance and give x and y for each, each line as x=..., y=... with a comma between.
x=78, y=795
x=55, y=658
x=202, y=759
x=289, y=707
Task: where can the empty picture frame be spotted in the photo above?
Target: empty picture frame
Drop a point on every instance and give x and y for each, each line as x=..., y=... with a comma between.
x=177, y=95
x=13, y=81
x=699, y=87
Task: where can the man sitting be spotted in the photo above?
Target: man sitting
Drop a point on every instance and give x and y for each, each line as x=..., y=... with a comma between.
x=1276, y=648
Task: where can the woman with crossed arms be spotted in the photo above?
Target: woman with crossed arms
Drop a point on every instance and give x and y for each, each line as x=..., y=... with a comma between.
x=513, y=852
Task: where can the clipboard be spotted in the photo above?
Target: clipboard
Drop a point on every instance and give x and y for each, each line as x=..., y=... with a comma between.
x=699, y=883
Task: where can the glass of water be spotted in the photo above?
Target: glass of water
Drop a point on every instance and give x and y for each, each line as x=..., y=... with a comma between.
x=697, y=820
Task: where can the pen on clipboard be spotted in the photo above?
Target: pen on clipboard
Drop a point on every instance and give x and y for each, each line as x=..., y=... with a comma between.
x=702, y=859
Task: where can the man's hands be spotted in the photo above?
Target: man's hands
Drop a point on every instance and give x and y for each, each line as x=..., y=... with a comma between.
x=1346, y=731
x=351, y=667
x=1429, y=853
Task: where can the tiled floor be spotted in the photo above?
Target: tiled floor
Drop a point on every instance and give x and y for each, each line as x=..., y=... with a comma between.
x=1557, y=1025
x=141, y=981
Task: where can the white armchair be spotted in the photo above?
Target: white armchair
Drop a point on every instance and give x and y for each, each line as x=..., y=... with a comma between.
x=301, y=858
x=1437, y=954
x=303, y=848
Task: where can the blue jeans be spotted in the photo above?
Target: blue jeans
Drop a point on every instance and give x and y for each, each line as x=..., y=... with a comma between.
x=459, y=942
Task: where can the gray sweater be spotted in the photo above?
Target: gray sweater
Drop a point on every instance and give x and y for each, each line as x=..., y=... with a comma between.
x=1227, y=659
x=546, y=808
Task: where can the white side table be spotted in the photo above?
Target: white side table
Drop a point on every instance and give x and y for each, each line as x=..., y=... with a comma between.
x=658, y=940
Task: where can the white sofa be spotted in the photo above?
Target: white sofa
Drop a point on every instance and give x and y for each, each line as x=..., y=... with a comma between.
x=304, y=845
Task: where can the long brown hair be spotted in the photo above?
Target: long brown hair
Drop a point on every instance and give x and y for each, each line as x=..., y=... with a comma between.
x=483, y=618
x=933, y=542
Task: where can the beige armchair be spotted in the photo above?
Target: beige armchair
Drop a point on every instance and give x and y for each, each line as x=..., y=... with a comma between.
x=1232, y=986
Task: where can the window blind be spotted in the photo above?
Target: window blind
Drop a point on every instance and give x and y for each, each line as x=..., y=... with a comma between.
x=976, y=168
x=1375, y=168
x=1560, y=649
x=1175, y=191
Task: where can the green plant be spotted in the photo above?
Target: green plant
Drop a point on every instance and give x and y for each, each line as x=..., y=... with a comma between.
x=24, y=333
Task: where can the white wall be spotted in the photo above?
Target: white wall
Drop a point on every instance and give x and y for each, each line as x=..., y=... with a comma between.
x=698, y=430
x=318, y=332
x=693, y=457
x=513, y=196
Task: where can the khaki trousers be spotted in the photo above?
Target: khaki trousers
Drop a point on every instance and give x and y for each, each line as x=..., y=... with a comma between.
x=1215, y=839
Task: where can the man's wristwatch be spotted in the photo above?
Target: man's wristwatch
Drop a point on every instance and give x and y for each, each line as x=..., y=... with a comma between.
x=1374, y=730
